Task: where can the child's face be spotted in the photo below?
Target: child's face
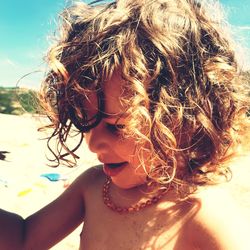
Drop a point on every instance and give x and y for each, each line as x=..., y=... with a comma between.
x=119, y=155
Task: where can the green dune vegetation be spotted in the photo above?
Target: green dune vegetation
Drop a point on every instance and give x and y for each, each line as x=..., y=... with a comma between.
x=18, y=101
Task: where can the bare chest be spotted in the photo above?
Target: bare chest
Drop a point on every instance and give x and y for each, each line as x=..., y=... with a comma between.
x=158, y=230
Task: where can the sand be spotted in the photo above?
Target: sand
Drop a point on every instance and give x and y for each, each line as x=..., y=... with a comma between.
x=24, y=191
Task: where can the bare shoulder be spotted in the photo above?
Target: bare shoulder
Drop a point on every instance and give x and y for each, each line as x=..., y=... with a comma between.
x=218, y=223
x=85, y=182
x=90, y=177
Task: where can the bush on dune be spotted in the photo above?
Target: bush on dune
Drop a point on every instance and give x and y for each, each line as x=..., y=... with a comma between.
x=18, y=101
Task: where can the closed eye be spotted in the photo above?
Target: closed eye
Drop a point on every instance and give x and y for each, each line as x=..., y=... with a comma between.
x=114, y=127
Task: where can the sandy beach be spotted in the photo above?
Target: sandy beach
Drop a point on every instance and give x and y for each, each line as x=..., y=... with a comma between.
x=23, y=190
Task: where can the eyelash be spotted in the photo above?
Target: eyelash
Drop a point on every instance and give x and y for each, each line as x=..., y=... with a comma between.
x=115, y=128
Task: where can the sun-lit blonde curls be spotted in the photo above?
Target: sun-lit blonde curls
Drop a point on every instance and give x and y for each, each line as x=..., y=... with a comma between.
x=182, y=92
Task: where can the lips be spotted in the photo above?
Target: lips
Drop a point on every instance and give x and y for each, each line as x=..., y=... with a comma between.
x=115, y=165
x=112, y=169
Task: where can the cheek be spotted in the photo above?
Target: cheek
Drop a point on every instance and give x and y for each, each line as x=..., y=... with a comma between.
x=127, y=149
x=142, y=158
x=136, y=153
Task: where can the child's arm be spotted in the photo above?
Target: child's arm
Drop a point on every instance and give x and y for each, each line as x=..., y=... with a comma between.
x=11, y=230
x=46, y=227
x=59, y=218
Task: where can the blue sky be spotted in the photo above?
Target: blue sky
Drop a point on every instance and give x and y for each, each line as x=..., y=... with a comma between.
x=26, y=24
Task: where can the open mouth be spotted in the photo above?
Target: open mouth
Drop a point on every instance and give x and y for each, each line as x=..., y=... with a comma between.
x=116, y=165
x=113, y=169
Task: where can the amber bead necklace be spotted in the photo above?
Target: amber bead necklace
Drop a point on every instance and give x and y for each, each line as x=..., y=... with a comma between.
x=133, y=208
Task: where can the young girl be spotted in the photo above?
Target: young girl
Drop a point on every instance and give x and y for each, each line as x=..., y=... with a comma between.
x=153, y=87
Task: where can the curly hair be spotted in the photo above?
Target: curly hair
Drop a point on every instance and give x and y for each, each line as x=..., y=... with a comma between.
x=183, y=95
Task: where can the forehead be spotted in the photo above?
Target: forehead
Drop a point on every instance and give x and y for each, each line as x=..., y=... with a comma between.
x=113, y=89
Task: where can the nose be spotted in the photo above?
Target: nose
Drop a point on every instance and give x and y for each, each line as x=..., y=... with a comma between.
x=98, y=139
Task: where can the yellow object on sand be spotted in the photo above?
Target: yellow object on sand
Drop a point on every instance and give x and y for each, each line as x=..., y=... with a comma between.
x=24, y=192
